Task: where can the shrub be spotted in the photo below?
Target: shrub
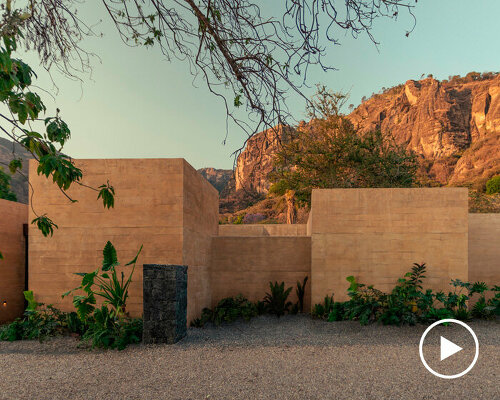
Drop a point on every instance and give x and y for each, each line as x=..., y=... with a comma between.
x=277, y=300
x=105, y=331
x=493, y=185
x=436, y=314
x=279, y=188
x=408, y=303
x=238, y=220
x=227, y=310
x=108, y=326
x=39, y=322
x=494, y=303
x=338, y=311
x=402, y=303
x=322, y=310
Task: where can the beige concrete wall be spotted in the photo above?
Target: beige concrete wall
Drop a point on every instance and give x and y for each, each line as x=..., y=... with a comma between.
x=150, y=209
x=374, y=234
x=200, y=224
x=246, y=265
x=377, y=234
x=12, y=245
x=484, y=248
x=263, y=230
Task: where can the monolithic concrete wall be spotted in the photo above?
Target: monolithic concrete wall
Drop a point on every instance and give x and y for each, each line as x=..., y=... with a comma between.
x=484, y=248
x=200, y=224
x=12, y=245
x=377, y=234
x=246, y=265
x=150, y=209
x=263, y=230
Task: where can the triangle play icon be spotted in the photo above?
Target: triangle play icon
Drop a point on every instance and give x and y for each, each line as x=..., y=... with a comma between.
x=448, y=348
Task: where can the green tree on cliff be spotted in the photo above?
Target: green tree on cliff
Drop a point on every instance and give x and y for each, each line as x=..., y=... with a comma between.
x=331, y=153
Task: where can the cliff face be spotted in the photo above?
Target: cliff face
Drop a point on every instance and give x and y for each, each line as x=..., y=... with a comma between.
x=19, y=183
x=454, y=126
x=256, y=161
x=221, y=179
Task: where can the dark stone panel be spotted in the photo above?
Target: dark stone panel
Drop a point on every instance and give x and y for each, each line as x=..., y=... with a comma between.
x=164, y=303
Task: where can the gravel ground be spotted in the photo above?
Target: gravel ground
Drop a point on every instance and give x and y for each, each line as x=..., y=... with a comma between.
x=291, y=358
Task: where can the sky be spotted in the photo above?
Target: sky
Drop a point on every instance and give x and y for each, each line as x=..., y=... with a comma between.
x=139, y=105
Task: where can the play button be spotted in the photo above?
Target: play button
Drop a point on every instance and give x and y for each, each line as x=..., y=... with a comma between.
x=452, y=358
x=448, y=348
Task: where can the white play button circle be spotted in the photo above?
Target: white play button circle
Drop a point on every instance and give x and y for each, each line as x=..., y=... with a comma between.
x=448, y=349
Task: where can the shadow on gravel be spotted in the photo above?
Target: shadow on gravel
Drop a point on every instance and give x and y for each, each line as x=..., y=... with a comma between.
x=301, y=330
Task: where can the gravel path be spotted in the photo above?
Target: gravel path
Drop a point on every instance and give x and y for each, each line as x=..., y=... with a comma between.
x=291, y=358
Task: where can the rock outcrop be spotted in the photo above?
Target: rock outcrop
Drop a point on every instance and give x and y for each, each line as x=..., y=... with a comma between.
x=19, y=182
x=221, y=179
x=256, y=160
x=453, y=125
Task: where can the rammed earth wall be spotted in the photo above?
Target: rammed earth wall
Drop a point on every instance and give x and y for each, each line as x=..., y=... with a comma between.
x=164, y=204
x=12, y=246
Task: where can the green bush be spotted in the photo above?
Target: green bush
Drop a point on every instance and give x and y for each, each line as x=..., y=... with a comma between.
x=408, y=303
x=365, y=302
x=493, y=185
x=322, y=310
x=238, y=220
x=39, y=322
x=227, y=310
x=105, y=331
x=277, y=300
x=279, y=188
x=108, y=326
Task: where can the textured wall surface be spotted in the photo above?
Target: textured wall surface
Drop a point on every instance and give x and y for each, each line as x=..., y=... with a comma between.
x=263, y=230
x=164, y=303
x=12, y=245
x=151, y=208
x=484, y=248
x=373, y=234
x=200, y=225
x=246, y=265
x=377, y=234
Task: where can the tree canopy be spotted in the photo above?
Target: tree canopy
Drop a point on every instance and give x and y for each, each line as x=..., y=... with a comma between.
x=330, y=152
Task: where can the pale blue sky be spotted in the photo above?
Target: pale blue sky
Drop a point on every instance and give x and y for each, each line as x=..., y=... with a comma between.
x=138, y=105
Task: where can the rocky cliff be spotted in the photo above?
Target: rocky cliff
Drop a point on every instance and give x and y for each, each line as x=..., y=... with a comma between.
x=256, y=160
x=453, y=125
x=221, y=179
x=19, y=183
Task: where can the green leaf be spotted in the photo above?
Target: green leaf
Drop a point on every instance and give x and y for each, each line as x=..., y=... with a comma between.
x=88, y=279
x=30, y=298
x=107, y=193
x=135, y=258
x=15, y=164
x=110, y=259
x=237, y=101
x=45, y=224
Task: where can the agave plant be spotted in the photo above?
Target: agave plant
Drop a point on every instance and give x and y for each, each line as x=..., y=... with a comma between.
x=277, y=301
x=104, y=283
